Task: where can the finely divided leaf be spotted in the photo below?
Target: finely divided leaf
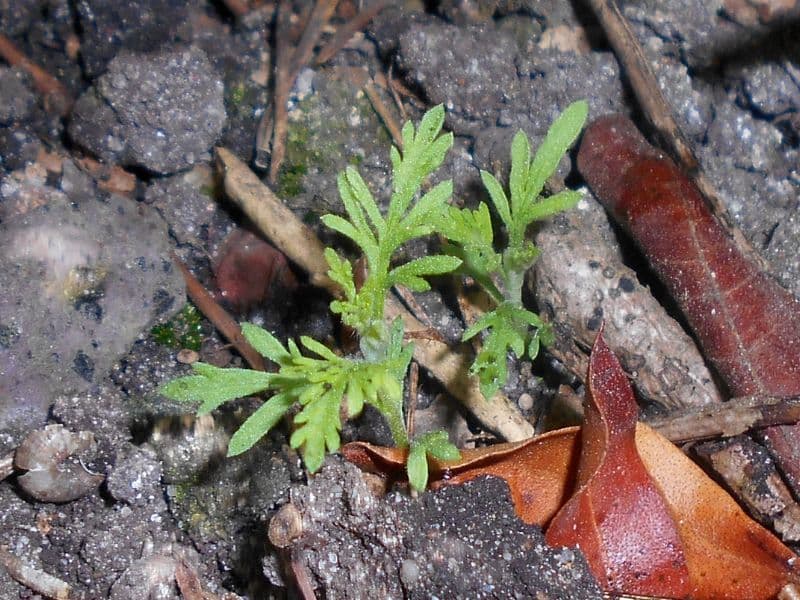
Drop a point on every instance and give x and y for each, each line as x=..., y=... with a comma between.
x=562, y=133
x=498, y=197
x=410, y=274
x=259, y=423
x=318, y=427
x=212, y=386
x=266, y=344
x=520, y=165
x=552, y=205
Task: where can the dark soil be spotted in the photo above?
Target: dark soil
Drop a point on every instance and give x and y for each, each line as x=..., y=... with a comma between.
x=93, y=317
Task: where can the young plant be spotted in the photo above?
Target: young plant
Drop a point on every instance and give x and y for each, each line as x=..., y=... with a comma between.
x=510, y=326
x=319, y=381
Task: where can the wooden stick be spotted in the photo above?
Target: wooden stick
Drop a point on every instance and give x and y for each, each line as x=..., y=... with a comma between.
x=219, y=317
x=658, y=112
x=57, y=98
x=736, y=416
x=35, y=579
x=644, y=83
x=384, y=114
x=348, y=30
x=280, y=96
x=278, y=223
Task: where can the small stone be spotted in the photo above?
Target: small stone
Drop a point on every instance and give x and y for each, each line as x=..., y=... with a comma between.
x=525, y=402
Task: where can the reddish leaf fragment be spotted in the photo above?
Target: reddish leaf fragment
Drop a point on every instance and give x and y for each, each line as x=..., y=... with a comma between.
x=250, y=271
x=747, y=324
x=617, y=516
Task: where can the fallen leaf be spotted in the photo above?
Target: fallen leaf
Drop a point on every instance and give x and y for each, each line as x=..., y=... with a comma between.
x=648, y=519
x=747, y=324
x=617, y=516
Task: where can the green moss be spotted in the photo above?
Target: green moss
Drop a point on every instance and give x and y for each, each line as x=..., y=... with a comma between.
x=185, y=330
x=237, y=94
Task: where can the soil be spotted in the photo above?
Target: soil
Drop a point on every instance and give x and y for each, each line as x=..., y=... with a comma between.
x=93, y=315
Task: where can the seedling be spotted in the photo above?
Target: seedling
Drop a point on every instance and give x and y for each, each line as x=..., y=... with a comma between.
x=323, y=383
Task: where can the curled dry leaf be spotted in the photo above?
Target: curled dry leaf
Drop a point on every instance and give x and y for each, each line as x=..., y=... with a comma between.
x=54, y=474
x=648, y=519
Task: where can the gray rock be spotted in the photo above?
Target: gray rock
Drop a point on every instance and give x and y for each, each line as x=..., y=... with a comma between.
x=160, y=111
x=17, y=15
x=80, y=282
x=16, y=98
x=136, y=478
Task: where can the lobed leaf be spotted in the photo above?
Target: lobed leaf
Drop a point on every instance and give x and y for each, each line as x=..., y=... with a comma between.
x=212, y=386
x=259, y=423
x=266, y=344
x=410, y=273
x=561, y=135
x=520, y=166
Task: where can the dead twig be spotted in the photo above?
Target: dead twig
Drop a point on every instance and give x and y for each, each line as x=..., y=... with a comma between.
x=642, y=79
x=278, y=223
x=34, y=579
x=278, y=119
x=383, y=112
x=302, y=579
x=57, y=98
x=736, y=416
x=220, y=318
x=448, y=365
x=348, y=30
x=288, y=67
x=323, y=11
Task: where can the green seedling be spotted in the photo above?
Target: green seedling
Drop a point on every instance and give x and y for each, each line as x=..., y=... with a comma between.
x=510, y=326
x=325, y=385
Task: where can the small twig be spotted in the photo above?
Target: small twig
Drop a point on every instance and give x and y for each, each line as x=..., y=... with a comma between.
x=736, y=416
x=278, y=223
x=644, y=83
x=323, y=10
x=189, y=583
x=346, y=31
x=384, y=114
x=57, y=98
x=35, y=579
x=391, y=84
x=220, y=318
x=413, y=384
x=280, y=96
x=302, y=579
